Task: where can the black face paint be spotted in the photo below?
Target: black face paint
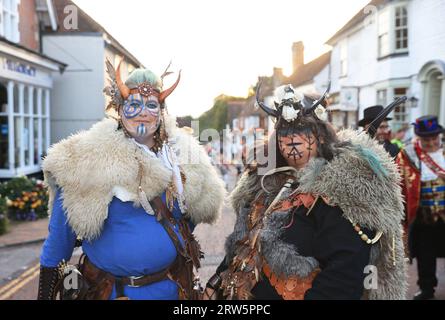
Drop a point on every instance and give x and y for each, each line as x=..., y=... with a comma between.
x=311, y=141
x=294, y=152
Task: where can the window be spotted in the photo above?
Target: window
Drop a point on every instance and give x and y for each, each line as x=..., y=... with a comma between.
x=393, y=30
x=401, y=29
x=29, y=127
x=401, y=112
x=45, y=121
x=343, y=59
x=17, y=143
x=4, y=141
x=9, y=20
x=25, y=142
x=35, y=142
x=382, y=97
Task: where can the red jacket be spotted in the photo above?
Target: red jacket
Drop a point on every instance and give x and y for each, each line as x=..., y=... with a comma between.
x=408, y=163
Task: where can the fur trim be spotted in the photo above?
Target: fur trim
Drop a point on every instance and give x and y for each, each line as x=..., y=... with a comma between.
x=282, y=257
x=363, y=181
x=88, y=165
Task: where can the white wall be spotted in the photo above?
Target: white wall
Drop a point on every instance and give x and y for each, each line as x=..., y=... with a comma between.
x=426, y=32
x=321, y=80
x=77, y=98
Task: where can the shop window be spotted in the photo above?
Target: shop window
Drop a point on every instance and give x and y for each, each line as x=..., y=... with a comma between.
x=4, y=142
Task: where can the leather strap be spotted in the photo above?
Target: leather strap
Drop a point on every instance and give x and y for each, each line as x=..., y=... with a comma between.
x=97, y=276
x=167, y=220
x=90, y=268
x=425, y=158
x=188, y=254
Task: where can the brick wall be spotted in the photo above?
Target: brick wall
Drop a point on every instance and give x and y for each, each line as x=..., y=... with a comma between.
x=28, y=25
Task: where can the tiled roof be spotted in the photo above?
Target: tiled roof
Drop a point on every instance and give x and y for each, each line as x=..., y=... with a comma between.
x=308, y=71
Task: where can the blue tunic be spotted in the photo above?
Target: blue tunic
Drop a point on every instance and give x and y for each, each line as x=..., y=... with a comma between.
x=132, y=243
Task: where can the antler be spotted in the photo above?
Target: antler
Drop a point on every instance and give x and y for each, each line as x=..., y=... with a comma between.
x=164, y=94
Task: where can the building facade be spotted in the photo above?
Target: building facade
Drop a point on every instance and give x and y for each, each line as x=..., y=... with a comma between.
x=26, y=84
x=390, y=49
x=84, y=46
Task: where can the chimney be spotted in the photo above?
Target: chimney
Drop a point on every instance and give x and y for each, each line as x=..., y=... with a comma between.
x=297, y=55
x=277, y=77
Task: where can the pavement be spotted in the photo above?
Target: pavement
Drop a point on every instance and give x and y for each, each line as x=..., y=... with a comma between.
x=20, y=250
x=23, y=233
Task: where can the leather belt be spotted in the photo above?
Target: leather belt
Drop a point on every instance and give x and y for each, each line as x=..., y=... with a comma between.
x=140, y=281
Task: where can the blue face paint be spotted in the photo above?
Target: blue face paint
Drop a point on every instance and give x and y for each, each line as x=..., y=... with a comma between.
x=141, y=130
x=133, y=107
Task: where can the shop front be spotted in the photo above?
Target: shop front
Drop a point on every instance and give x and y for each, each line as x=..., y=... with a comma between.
x=25, y=91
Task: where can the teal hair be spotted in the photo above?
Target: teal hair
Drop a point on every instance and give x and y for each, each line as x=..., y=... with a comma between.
x=139, y=76
x=373, y=161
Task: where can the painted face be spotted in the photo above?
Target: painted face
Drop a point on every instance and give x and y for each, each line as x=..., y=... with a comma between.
x=430, y=144
x=141, y=116
x=298, y=148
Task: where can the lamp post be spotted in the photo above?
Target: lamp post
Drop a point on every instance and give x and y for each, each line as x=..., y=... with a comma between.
x=413, y=102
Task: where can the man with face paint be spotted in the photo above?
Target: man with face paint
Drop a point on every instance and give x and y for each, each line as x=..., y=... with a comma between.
x=132, y=188
x=327, y=215
x=422, y=165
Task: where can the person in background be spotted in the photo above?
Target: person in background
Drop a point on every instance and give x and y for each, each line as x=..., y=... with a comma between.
x=383, y=133
x=422, y=166
x=399, y=137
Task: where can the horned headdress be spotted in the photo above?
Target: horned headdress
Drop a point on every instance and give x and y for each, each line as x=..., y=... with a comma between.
x=120, y=91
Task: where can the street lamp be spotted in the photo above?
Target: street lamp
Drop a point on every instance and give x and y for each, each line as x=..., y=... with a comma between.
x=413, y=102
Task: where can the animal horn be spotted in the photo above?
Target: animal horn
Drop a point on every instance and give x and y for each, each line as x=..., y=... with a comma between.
x=124, y=90
x=265, y=108
x=319, y=101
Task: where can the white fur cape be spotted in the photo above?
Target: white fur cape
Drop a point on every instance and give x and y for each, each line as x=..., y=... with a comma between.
x=89, y=165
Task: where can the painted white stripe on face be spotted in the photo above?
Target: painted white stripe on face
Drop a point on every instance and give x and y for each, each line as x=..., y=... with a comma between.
x=141, y=130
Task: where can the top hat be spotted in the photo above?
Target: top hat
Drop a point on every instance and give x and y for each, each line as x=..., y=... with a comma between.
x=427, y=126
x=370, y=114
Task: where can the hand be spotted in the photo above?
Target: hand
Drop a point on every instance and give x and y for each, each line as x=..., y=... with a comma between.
x=209, y=294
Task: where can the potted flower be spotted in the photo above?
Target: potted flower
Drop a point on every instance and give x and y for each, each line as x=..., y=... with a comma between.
x=4, y=222
x=28, y=199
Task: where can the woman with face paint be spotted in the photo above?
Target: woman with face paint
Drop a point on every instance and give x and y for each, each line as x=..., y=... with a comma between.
x=323, y=223
x=127, y=189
